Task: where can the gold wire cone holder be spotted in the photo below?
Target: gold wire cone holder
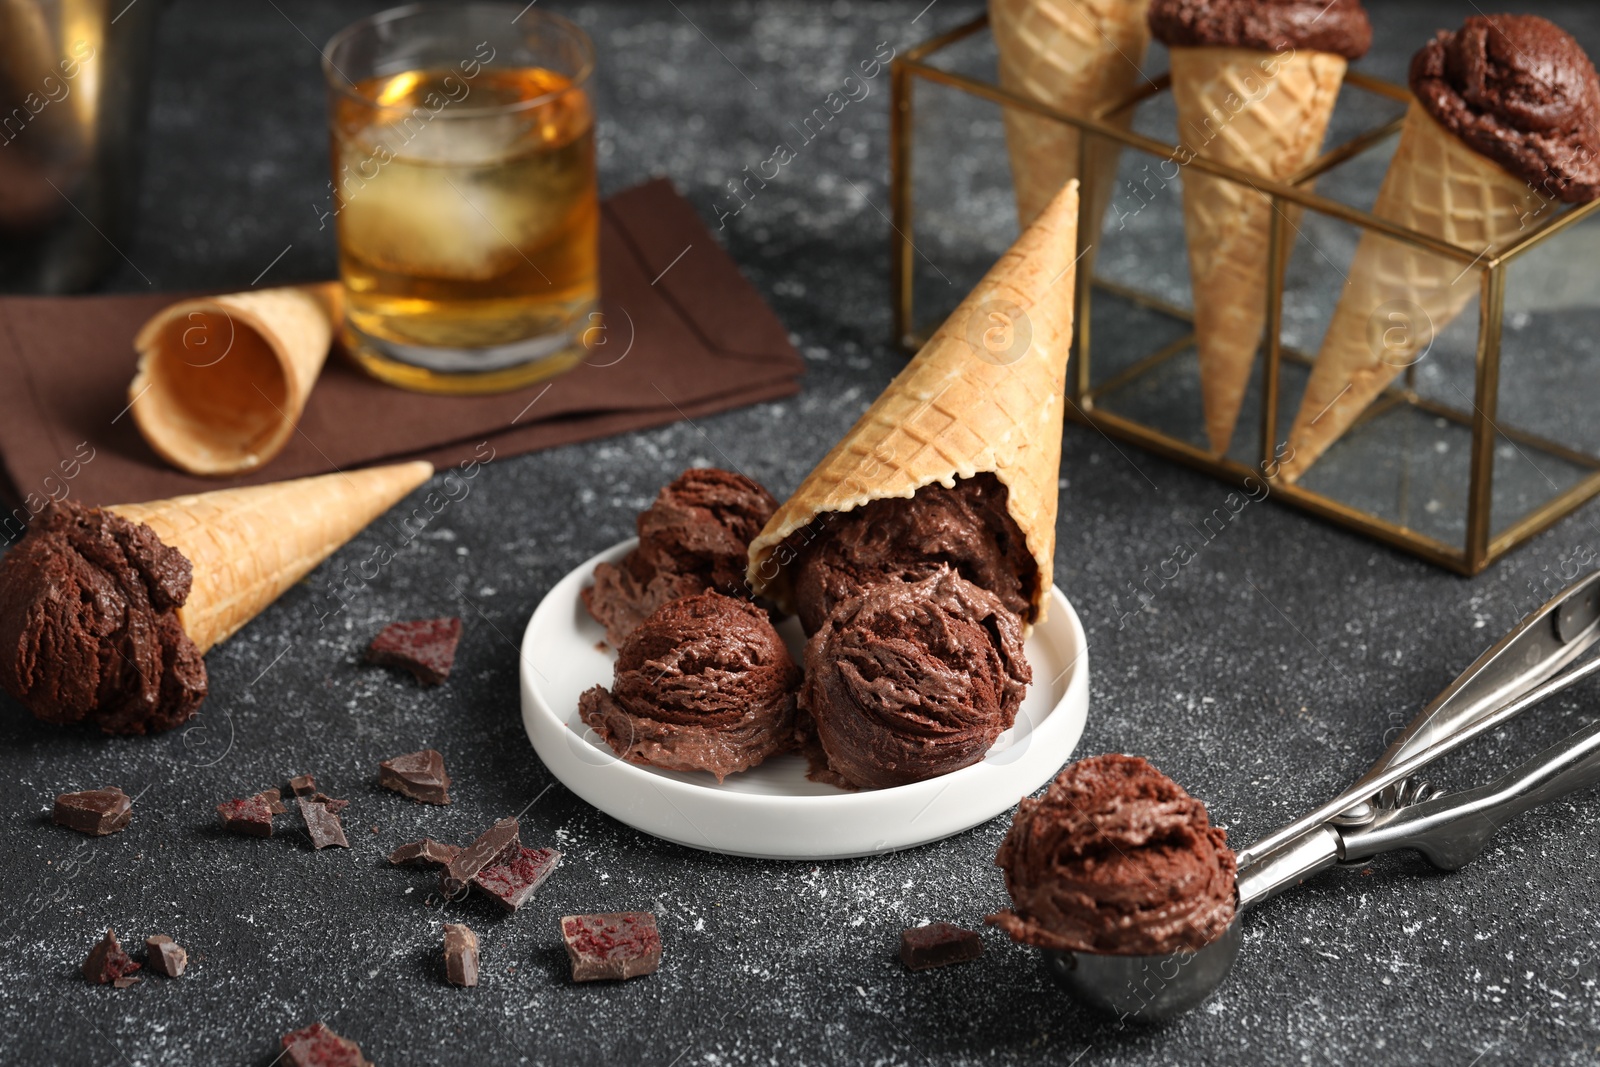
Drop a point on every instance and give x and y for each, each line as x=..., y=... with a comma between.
x=1475, y=416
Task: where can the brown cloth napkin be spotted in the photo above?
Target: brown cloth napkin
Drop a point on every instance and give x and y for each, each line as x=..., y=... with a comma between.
x=697, y=336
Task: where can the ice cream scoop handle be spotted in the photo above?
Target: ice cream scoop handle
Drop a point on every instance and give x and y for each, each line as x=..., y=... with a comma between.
x=1287, y=866
x=1452, y=830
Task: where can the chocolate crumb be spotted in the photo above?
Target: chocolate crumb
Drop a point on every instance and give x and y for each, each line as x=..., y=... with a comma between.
x=317, y=1046
x=125, y=981
x=418, y=775
x=96, y=812
x=616, y=945
x=251, y=816
x=303, y=786
x=165, y=955
x=321, y=816
x=426, y=648
x=107, y=961
x=460, y=955
x=496, y=845
x=426, y=852
x=938, y=945
x=514, y=882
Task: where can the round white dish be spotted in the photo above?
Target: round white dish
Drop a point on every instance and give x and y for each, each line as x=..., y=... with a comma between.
x=773, y=811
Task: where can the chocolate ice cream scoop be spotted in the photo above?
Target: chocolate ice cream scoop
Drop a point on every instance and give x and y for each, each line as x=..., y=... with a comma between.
x=704, y=684
x=966, y=527
x=694, y=536
x=89, y=628
x=1519, y=90
x=914, y=679
x=1339, y=26
x=1116, y=859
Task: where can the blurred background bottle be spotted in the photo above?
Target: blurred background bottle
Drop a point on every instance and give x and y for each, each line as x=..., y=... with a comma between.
x=74, y=89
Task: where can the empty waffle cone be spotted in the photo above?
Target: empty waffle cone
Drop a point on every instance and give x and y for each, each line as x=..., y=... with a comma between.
x=1076, y=56
x=984, y=394
x=1399, y=298
x=222, y=380
x=1265, y=114
x=248, y=545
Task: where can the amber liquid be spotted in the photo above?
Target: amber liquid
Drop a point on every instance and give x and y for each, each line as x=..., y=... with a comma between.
x=468, y=240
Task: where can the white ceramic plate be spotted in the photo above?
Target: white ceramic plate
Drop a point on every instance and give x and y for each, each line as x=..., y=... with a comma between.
x=773, y=811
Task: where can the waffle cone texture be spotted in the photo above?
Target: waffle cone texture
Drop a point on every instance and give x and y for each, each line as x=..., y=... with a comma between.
x=1231, y=110
x=986, y=393
x=249, y=545
x=1399, y=298
x=1076, y=56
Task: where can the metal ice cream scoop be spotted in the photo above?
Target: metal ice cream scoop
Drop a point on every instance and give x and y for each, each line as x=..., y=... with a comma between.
x=1388, y=808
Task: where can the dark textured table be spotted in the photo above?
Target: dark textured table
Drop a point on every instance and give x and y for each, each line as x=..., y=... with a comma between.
x=1263, y=679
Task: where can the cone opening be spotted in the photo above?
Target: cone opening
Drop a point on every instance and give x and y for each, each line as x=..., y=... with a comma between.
x=212, y=395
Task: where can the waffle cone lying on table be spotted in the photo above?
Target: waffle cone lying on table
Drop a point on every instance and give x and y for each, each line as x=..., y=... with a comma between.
x=1255, y=83
x=106, y=613
x=1503, y=128
x=917, y=553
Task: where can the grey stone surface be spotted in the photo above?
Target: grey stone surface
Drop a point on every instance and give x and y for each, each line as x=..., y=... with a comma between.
x=1263, y=678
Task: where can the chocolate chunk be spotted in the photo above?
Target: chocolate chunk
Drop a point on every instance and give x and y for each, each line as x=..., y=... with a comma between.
x=317, y=1046
x=165, y=955
x=616, y=945
x=513, y=883
x=251, y=816
x=426, y=852
x=498, y=844
x=938, y=945
x=107, y=962
x=96, y=812
x=303, y=786
x=419, y=775
x=321, y=816
x=426, y=648
x=460, y=955
x=125, y=981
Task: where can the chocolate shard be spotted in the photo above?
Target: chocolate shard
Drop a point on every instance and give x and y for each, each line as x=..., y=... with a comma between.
x=496, y=845
x=317, y=1046
x=938, y=945
x=513, y=883
x=418, y=775
x=321, y=816
x=96, y=812
x=303, y=785
x=426, y=648
x=125, y=981
x=611, y=946
x=427, y=853
x=165, y=955
x=460, y=955
x=251, y=816
x=107, y=962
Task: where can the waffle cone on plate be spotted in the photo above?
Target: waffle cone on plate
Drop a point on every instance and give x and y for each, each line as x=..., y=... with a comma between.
x=222, y=380
x=984, y=394
x=1399, y=297
x=1277, y=132
x=1076, y=56
x=249, y=545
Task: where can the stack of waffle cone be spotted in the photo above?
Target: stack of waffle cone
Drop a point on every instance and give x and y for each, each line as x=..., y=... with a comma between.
x=1399, y=297
x=985, y=394
x=1262, y=113
x=222, y=380
x=1076, y=56
x=249, y=545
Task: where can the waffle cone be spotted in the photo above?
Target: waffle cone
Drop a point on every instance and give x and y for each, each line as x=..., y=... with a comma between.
x=222, y=380
x=1076, y=56
x=248, y=545
x=1399, y=298
x=1275, y=126
x=984, y=394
